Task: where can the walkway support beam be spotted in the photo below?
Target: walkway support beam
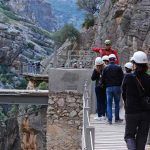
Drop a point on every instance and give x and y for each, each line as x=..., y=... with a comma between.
x=39, y=97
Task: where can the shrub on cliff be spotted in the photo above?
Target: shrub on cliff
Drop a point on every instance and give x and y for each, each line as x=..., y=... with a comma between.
x=89, y=21
x=91, y=6
x=43, y=86
x=67, y=32
x=31, y=45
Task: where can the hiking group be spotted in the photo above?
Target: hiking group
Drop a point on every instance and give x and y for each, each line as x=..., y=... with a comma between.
x=132, y=85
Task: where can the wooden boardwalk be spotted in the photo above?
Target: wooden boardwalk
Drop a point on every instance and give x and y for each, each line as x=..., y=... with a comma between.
x=108, y=137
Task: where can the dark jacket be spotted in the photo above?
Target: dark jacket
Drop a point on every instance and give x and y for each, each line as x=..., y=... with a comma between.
x=112, y=75
x=130, y=92
x=96, y=76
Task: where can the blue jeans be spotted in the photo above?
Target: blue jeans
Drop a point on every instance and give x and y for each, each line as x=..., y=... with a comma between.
x=113, y=92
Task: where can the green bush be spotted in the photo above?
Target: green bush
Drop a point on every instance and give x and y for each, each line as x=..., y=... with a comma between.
x=89, y=21
x=31, y=45
x=43, y=86
x=67, y=32
x=22, y=85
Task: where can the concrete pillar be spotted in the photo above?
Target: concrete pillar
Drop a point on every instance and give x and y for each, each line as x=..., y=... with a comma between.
x=65, y=108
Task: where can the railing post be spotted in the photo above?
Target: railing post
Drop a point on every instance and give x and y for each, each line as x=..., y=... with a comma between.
x=86, y=110
x=87, y=101
x=90, y=137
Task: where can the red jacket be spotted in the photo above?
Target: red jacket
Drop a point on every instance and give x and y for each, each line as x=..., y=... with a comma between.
x=103, y=52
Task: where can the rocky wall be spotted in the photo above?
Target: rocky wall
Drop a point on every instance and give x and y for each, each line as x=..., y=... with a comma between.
x=127, y=24
x=64, y=121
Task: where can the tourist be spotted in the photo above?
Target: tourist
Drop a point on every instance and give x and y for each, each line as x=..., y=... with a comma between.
x=99, y=89
x=107, y=50
x=135, y=87
x=112, y=78
x=128, y=67
x=105, y=59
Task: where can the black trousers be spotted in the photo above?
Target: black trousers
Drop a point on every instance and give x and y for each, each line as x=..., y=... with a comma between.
x=101, y=101
x=137, y=127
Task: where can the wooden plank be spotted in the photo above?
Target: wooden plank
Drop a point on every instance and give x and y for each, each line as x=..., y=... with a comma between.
x=108, y=137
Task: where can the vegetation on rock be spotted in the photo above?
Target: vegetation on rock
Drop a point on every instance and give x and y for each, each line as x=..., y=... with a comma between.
x=10, y=80
x=91, y=6
x=89, y=21
x=43, y=86
x=67, y=32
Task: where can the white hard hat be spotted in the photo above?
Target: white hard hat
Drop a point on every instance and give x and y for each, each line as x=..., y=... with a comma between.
x=99, y=61
x=105, y=57
x=131, y=59
x=112, y=56
x=140, y=57
x=129, y=65
x=107, y=42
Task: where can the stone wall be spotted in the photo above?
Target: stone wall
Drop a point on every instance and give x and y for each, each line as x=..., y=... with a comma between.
x=64, y=124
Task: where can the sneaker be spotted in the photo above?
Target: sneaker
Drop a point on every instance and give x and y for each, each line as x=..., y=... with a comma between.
x=109, y=122
x=119, y=121
x=97, y=118
x=103, y=118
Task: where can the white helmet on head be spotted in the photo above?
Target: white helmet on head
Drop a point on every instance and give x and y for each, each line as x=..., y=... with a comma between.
x=107, y=42
x=112, y=56
x=105, y=57
x=129, y=65
x=131, y=59
x=140, y=57
x=99, y=61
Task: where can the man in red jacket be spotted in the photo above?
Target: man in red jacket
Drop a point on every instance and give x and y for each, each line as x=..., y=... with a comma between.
x=107, y=50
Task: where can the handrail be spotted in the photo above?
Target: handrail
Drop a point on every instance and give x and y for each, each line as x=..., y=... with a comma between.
x=88, y=134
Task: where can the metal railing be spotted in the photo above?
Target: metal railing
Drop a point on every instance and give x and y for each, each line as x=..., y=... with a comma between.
x=69, y=60
x=88, y=132
x=32, y=68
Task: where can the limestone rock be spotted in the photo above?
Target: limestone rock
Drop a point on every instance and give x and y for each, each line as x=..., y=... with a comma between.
x=127, y=24
x=73, y=113
x=61, y=102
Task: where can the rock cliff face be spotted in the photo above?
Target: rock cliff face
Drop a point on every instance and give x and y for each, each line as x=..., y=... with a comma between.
x=21, y=40
x=127, y=24
x=12, y=44
x=38, y=11
x=33, y=127
x=23, y=127
x=9, y=132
